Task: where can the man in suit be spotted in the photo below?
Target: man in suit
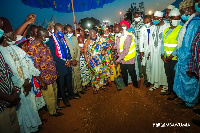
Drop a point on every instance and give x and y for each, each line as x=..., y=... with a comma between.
x=62, y=59
x=72, y=43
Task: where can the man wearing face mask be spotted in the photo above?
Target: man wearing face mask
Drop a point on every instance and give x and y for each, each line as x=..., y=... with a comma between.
x=158, y=76
x=145, y=49
x=74, y=48
x=137, y=25
x=186, y=85
x=62, y=59
x=125, y=46
x=168, y=49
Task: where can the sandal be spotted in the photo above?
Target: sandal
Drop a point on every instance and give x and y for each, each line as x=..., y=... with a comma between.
x=152, y=88
x=104, y=88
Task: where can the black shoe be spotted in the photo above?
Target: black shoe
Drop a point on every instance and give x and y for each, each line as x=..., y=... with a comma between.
x=57, y=114
x=77, y=96
x=196, y=111
x=67, y=104
x=196, y=122
x=165, y=93
x=184, y=105
x=172, y=97
x=148, y=84
x=82, y=92
x=60, y=108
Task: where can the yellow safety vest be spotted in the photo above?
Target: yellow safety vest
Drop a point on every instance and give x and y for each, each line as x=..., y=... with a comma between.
x=170, y=42
x=132, y=51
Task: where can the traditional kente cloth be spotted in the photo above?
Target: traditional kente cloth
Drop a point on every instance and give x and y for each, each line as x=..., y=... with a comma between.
x=85, y=74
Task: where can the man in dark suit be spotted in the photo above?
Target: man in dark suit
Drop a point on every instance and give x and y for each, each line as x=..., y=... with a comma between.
x=62, y=59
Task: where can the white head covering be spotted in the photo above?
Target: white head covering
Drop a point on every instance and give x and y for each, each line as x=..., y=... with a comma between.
x=174, y=12
x=86, y=30
x=158, y=14
x=171, y=7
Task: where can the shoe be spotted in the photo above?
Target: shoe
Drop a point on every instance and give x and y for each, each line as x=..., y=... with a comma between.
x=57, y=114
x=60, y=108
x=165, y=93
x=179, y=100
x=85, y=88
x=148, y=84
x=172, y=97
x=44, y=121
x=184, y=105
x=196, y=122
x=196, y=111
x=77, y=96
x=152, y=88
x=95, y=92
x=67, y=104
x=82, y=92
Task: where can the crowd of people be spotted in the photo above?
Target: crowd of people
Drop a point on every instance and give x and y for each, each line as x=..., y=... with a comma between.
x=41, y=66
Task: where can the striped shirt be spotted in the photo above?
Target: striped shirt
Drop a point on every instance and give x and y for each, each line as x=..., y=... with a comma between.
x=194, y=64
x=6, y=84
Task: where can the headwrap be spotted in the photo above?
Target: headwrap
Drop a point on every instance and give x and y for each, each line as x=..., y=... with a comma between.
x=158, y=14
x=126, y=23
x=186, y=4
x=7, y=27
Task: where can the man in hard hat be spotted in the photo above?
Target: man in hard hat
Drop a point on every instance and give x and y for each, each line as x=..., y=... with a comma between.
x=186, y=85
x=168, y=49
x=158, y=76
x=167, y=11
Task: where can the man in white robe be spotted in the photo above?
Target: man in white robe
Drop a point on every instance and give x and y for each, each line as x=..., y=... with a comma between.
x=158, y=76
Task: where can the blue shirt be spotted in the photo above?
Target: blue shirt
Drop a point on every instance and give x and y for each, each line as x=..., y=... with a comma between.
x=70, y=39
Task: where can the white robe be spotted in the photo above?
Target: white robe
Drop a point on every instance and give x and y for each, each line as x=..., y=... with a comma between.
x=158, y=75
x=145, y=47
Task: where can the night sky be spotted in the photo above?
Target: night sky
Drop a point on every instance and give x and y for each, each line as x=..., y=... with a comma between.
x=16, y=11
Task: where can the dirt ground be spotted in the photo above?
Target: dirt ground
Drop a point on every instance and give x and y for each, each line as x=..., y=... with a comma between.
x=128, y=111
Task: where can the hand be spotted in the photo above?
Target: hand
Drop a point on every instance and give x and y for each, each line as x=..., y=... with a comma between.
x=14, y=98
x=103, y=53
x=148, y=56
x=164, y=59
x=168, y=59
x=30, y=16
x=27, y=87
x=116, y=63
x=75, y=22
x=88, y=65
x=43, y=85
x=30, y=21
x=74, y=63
x=68, y=63
x=189, y=73
x=141, y=55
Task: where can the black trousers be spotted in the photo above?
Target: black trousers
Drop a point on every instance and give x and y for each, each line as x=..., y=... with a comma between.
x=170, y=72
x=131, y=71
x=65, y=81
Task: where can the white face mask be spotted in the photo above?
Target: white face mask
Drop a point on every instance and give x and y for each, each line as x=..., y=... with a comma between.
x=52, y=31
x=81, y=45
x=9, y=41
x=148, y=25
x=175, y=22
x=78, y=35
x=1, y=33
x=118, y=34
x=69, y=35
x=137, y=19
x=124, y=28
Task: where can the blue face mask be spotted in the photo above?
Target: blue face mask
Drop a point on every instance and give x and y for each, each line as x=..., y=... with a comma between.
x=184, y=17
x=155, y=22
x=197, y=8
x=1, y=33
x=60, y=34
x=46, y=40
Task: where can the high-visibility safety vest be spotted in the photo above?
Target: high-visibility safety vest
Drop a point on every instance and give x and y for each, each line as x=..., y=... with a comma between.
x=171, y=42
x=132, y=51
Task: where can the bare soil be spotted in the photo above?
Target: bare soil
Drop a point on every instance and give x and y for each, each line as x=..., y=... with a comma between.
x=131, y=110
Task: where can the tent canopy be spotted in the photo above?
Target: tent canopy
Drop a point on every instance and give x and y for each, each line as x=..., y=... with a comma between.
x=66, y=6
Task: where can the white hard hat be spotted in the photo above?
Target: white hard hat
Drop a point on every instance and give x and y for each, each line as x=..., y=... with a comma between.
x=171, y=7
x=174, y=12
x=158, y=14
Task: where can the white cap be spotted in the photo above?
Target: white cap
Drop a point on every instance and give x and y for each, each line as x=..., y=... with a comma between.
x=174, y=12
x=158, y=14
x=86, y=30
x=171, y=7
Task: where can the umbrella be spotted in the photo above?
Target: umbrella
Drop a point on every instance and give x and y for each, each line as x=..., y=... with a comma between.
x=67, y=6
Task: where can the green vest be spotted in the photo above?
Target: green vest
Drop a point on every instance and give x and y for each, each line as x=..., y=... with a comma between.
x=170, y=42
